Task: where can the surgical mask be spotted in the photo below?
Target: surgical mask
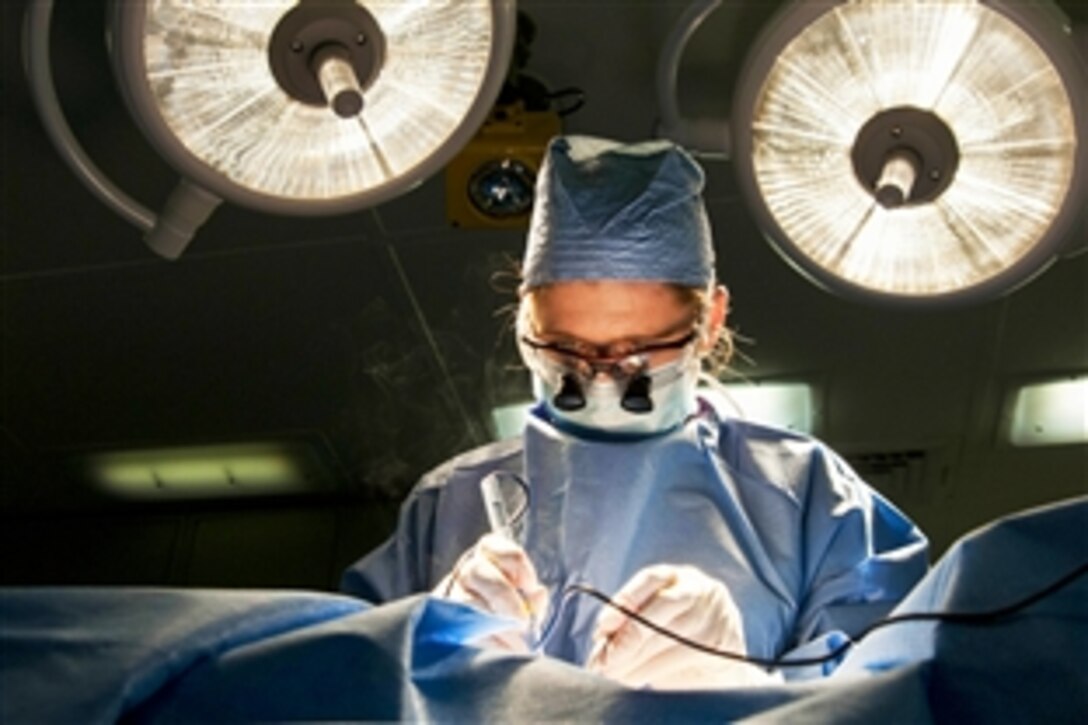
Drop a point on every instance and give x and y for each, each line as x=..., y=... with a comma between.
x=670, y=390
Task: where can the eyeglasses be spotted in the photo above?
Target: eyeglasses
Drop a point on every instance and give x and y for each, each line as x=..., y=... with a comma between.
x=616, y=361
x=574, y=365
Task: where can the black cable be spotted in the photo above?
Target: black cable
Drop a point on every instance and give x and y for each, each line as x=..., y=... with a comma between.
x=970, y=618
x=597, y=594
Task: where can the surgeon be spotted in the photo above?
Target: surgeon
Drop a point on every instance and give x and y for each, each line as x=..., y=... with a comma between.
x=634, y=475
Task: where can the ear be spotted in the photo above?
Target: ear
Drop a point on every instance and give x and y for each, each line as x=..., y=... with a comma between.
x=719, y=311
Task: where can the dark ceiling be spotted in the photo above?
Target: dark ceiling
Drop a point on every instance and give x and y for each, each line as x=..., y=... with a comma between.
x=378, y=337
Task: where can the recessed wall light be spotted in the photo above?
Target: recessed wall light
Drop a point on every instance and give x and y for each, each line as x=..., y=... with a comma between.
x=1050, y=413
x=211, y=471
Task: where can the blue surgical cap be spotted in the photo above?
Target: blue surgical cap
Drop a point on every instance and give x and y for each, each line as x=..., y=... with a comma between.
x=605, y=210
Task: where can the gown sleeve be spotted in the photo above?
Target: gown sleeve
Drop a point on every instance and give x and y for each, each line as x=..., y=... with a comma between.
x=861, y=554
x=441, y=518
x=398, y=567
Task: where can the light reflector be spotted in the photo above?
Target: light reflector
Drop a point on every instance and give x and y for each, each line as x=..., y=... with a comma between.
x=1051, y=413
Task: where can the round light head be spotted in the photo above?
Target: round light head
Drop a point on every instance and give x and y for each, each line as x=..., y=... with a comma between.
x=913, y=152
x=310, y=107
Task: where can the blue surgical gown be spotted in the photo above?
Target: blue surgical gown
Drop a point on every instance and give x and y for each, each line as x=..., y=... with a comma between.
x=805, y=547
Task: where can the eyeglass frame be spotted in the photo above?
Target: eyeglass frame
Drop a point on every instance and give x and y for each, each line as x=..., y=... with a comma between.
x=611, y=365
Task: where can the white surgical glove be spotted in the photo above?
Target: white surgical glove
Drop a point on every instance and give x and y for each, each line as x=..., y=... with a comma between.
x=686, y=601
x=497, y=576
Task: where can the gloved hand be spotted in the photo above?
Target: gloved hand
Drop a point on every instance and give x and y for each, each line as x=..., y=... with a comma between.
x=497, y=576
x=688, y=602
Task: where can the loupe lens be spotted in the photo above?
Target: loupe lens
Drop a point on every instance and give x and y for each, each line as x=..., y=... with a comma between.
x=636, y=399
x=570, y=396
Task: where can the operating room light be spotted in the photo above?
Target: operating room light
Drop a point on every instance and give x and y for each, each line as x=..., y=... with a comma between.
x=308, y=107
x=970, y=163
x=904, y=151
x=204, y=71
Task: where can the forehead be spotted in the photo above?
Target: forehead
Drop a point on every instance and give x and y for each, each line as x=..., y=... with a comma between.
x=605, y=311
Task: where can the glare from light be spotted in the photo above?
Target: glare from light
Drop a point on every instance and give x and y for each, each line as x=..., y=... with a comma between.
x=1051, y=413
x=981, y=75
x=783, y=405
x=227, y=470
x=208, y=67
